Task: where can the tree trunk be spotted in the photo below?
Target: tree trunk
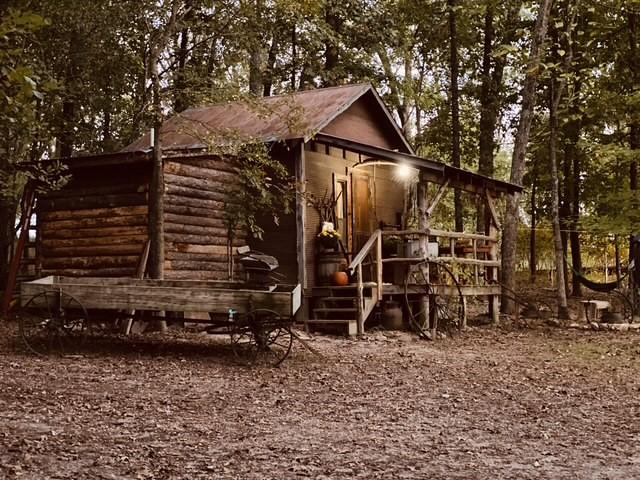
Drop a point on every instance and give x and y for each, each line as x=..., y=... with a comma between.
x=455, y=110
x=616, y=245
x=564, y=198
x=181, y=102
x=156, y=196
x=156, y=188
x=255, y=52
x=331, y=55
x=64, y=147
x=634, y=66
x=634, y=128
x=571, y=157
x=490, y=89
x=533, y=267
x=8, y=209
x=267, y=82
x=294, y=56
x=510, y=236
x=561, y=293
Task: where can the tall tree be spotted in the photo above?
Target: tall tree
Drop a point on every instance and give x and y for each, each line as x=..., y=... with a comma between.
x=528, y=93
x=494, y=60
x=455, y=109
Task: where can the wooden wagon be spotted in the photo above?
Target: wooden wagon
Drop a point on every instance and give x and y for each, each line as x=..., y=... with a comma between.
x=59, y=312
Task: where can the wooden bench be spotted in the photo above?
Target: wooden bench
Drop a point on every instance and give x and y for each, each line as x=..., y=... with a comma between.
x=593, y=309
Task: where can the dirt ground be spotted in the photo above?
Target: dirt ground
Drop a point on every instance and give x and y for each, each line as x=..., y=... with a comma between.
x=518, y=403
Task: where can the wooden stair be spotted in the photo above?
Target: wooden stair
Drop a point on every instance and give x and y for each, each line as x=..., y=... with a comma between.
x=338, y=306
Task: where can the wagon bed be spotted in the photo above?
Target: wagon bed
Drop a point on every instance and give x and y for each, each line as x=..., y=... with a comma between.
x=57, y=309
x=168, y=295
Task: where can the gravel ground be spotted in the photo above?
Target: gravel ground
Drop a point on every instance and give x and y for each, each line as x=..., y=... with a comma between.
x=488, y=403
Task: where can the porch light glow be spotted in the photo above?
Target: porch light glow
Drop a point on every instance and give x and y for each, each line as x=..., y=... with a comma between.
x=404, y=171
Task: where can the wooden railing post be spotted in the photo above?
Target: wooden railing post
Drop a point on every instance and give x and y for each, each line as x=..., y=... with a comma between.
x=379, y=265
x=360, y=300
x=474, y=242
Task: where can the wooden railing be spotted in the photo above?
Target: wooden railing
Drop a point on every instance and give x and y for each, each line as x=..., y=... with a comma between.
x=355, y=268
x=452, y=251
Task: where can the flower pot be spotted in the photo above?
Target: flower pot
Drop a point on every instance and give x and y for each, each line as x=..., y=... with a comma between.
x=328, y=243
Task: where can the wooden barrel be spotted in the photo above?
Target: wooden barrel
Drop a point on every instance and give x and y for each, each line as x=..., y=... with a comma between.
x=327, y=263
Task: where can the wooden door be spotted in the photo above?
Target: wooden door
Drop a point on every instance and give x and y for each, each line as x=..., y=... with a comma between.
x=362, y=218
x=342, y=211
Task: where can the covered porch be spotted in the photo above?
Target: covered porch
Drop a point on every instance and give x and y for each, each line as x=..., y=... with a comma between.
x=431, y=269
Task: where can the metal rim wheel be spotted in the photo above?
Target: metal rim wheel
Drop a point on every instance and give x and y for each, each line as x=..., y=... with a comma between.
x=417, y=275
x=446, y=303
x=52, y=321
x=261, y=336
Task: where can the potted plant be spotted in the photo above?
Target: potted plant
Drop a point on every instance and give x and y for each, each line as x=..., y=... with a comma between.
x=390, y=245
x=328, y=238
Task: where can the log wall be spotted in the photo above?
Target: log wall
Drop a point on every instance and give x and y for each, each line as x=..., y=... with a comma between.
x=96, y=225
x=195, y=234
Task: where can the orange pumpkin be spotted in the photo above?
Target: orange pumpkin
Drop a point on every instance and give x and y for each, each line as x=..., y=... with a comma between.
x=341, y=279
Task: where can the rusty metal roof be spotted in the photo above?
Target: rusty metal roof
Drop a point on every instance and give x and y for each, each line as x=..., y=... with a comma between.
x=284, y=117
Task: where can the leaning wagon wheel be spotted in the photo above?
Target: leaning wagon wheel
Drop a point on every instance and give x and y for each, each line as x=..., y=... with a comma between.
x=446, y=303
x=52, y=321
x=262, y=336
x=449, y=303
x=418, y=276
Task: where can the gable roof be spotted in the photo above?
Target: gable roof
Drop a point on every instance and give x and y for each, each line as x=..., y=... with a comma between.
x=284, y=117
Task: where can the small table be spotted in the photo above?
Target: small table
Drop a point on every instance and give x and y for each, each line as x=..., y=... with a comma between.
x=591, y=309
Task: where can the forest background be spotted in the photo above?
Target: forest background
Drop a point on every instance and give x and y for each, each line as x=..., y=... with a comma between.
x=463, y=79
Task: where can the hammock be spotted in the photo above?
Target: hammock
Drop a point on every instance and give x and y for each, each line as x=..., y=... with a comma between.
x=595, y=286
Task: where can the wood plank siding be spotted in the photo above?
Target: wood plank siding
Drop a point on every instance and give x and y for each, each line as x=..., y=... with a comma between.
x=96, y=225
x=365, y=122
x=384, y=200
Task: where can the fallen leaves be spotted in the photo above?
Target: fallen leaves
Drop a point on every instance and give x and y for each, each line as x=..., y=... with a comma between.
x=388, y=407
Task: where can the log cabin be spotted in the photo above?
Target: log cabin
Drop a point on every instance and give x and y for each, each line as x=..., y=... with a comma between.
x=342, y=142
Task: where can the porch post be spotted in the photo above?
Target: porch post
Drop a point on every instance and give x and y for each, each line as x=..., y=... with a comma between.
x=492, y=226
x=423, y=224
x=301, y=214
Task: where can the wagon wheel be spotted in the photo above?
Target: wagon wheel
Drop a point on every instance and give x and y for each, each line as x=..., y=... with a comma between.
x=418, y=276
x=52, y=321
x=445, y=300
x=448, y=302
x=261, y=336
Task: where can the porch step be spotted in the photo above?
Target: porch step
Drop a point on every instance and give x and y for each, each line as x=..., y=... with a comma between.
x=338, y=299
x=330, y=320
x=350, y=324
x=351, y=286
x=335, y=310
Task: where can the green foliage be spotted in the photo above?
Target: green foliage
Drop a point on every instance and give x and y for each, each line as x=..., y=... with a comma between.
x=23, y=88
x=262, y=186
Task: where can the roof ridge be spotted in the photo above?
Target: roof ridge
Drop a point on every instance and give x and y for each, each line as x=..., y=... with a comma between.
x=281, y=95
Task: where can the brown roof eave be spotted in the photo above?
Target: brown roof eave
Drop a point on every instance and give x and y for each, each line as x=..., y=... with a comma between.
x=102, y=159
x=442, y=169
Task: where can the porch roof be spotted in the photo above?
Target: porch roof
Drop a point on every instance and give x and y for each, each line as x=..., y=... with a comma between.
x=431, y=170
